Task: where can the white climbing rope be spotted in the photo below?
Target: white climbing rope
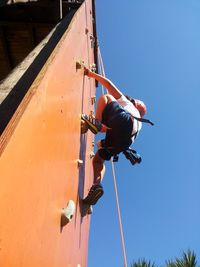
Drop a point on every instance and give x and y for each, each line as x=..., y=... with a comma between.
x=119, y=213
x=101, y=68
x=102, y=72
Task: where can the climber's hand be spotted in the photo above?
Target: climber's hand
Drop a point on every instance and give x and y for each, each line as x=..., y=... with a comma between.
x=87, y=71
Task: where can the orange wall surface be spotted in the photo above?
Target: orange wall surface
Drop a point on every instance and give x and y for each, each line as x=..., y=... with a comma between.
x=39, y=150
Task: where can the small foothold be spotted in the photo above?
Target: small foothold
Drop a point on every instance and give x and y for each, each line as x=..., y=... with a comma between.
x=79, y=64
x=80, y=162
x=93, y=40
x=86, y=30
x=67, y=213
x=93, y=67
x=92, y=154
x=92, y=113
x=93, y=100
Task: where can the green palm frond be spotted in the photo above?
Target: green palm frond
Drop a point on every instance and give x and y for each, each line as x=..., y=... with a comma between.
x=188, y=260
x=142, y=263
x=170, y=264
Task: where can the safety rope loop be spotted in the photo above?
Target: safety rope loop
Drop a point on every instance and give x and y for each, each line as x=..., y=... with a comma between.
x=102, y=72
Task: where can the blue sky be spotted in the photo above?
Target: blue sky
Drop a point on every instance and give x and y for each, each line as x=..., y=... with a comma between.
x=151, y=51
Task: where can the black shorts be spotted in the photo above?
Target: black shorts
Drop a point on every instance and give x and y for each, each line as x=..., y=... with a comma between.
x=119, y=137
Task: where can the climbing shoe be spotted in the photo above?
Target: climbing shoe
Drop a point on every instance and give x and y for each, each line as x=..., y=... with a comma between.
x=96, y=191
x=93, y=124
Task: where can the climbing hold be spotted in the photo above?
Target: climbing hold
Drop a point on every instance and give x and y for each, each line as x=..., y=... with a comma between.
x=80, y=162
x=92, y=39
x=93, y=100
x=67, y=213
x=93, y=67
x=92, y=113
x=92, y=154
x=79, y=64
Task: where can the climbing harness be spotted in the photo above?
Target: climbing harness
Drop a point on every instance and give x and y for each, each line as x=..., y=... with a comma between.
x=131, y=155
x=143, y=120
x=108, y=152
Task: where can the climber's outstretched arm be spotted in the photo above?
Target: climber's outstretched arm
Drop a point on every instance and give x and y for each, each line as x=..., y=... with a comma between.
x=112, y=89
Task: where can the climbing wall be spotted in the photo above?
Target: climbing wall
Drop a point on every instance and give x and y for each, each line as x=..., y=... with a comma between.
x=39, y=153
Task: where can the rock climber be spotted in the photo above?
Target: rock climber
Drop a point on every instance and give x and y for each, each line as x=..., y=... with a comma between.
x=121, y=118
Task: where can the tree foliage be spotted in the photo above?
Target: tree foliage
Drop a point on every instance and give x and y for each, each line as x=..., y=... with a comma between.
x=143, y=263
x=188, y=259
